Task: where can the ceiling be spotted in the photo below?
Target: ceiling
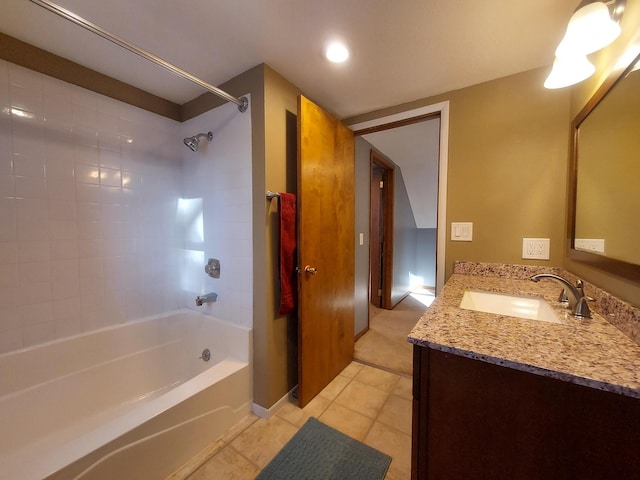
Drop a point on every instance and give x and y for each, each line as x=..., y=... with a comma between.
x=401, y=50
x=415, y=149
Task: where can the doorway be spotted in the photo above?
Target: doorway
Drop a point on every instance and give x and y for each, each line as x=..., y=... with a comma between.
x=394, y=320
x=412, y=116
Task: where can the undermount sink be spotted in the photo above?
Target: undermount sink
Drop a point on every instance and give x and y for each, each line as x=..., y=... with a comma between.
x=531, y=308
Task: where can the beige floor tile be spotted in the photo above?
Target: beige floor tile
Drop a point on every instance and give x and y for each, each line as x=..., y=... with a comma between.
x=404, y=388
x=334, y=388
x=397, y=473
x=346, y=421
x=375, y=377
x=262, y=440
x=352, y=370
x=239, y=427
x=395, y=444
x=362, y=398
x=227, y=464
x=396, y=413
x=297, y=416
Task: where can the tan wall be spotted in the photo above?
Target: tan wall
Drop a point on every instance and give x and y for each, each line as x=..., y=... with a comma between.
x=275, y=336
x=508, y=145
x=606, y=62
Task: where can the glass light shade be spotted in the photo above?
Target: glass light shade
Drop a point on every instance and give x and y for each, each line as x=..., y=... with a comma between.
x=569, y=70
x=590, y=29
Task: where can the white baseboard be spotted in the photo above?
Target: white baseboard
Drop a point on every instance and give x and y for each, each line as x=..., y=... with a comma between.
x=263, y=412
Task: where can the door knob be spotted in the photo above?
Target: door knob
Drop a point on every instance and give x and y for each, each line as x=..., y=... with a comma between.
x=309, y=270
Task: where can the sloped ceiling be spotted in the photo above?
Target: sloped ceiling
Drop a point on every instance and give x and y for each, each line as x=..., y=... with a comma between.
x=415, y=149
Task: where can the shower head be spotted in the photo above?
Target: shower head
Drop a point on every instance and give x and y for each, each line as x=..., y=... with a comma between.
x=194, y=142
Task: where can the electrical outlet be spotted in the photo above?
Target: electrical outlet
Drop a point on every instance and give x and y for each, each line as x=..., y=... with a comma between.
x=590, y=244
x=535, y=248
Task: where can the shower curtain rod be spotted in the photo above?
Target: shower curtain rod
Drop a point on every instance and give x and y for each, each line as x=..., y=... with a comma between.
x=241, y=102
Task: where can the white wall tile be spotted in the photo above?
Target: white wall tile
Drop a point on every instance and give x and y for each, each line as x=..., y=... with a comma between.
x=25, y=166
x=60, y=168
x=8, y=252
x=9, y=319
x=7, y=187
x=57, y=100
x=94, y=237
x=11, y=339
x=35, y=313
x=36, y=333
x=34, y=251
x=32, y=229
x=30, y=187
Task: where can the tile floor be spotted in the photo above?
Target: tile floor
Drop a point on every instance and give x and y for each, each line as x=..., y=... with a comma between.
x=366, y=403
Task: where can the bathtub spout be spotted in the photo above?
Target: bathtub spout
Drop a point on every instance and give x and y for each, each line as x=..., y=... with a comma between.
x=207, y=298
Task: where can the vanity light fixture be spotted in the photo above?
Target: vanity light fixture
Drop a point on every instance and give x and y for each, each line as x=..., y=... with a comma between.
x=569, y=70
x=593, y=26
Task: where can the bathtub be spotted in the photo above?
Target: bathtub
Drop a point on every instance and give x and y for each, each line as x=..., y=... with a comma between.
x=129, y=401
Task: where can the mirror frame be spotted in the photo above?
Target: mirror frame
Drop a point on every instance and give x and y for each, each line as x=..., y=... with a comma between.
x=611, y=265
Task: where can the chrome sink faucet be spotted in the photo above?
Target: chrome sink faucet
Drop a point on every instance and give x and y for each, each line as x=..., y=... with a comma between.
x=207, y=298
x=578, y=301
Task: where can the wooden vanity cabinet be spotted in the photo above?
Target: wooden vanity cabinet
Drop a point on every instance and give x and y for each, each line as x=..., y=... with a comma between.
x=476, y=420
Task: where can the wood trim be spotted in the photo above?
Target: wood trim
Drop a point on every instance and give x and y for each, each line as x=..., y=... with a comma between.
x=617, y=267
x=359, y=335
x=398, y=123
x=387, y=260
x=34, y=58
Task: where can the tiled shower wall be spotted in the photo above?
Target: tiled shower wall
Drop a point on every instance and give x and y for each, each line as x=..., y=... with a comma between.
x=217, y=188
x=90, y=229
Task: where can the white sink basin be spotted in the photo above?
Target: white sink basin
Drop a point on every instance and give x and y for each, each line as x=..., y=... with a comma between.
x=531, y=308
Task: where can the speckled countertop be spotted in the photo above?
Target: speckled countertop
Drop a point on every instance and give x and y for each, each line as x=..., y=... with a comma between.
x=589, y=352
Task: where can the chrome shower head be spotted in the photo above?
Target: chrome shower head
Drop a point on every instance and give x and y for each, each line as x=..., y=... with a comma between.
x=194, y=142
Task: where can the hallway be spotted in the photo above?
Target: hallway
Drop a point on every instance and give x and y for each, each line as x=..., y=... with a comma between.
x=385, y=344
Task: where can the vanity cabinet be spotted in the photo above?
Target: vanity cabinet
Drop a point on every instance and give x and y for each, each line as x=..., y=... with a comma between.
x=477, y=420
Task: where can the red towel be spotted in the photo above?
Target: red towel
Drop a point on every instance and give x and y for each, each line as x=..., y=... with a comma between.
x=288, y=275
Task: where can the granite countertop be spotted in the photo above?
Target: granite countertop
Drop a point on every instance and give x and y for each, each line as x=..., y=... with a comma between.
x=590, y=352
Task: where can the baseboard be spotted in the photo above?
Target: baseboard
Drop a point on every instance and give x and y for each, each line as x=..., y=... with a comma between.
x=263, y=412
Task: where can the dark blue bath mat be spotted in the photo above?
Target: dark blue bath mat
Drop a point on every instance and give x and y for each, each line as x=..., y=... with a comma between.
x=318, y=452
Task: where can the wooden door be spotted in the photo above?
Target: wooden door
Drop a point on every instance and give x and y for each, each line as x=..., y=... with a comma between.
x=376, y=235
x=326, y=248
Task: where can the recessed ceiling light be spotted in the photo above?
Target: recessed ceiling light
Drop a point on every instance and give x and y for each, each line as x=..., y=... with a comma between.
x=337, y=52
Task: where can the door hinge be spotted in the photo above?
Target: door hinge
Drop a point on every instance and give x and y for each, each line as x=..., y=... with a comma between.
x=381, y=183
x=379, y=292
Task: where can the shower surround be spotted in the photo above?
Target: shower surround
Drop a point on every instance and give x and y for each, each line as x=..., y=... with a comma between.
x=106, y=217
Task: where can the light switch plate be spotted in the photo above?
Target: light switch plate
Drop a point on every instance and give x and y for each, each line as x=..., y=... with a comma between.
x=535, y=248
x=461, y=231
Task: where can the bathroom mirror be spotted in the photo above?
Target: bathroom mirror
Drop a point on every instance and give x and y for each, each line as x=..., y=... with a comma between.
x=605, y=177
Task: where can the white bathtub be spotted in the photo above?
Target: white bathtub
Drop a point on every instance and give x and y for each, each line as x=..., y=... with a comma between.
x=130, y=401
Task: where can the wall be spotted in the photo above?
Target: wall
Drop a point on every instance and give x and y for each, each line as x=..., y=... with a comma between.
x=426, y=256
x=405, y=240
x=508, y=145
x=95, y=228
x=275, y=336
x=362, y=193
x=216, y=214
x=89, y=188
x=606, y=62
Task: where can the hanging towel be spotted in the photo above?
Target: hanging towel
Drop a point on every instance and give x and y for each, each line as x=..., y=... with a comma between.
x=288, y=276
